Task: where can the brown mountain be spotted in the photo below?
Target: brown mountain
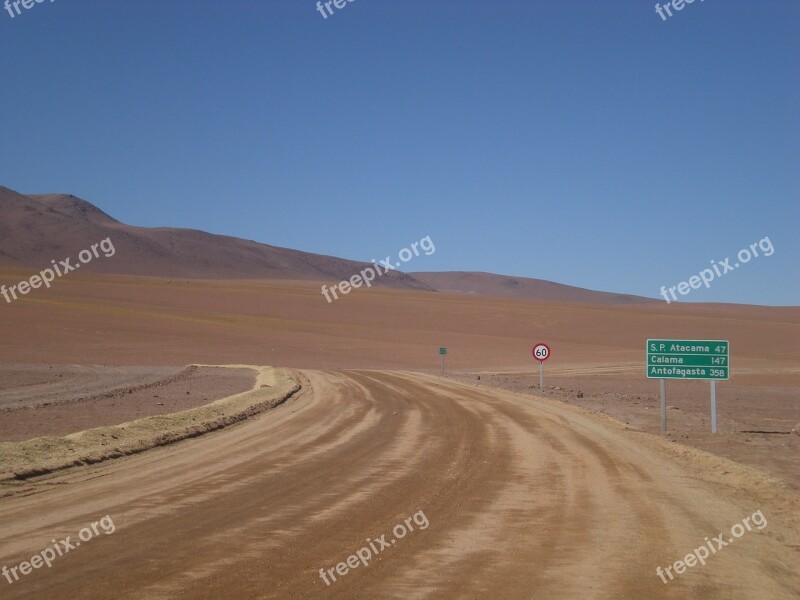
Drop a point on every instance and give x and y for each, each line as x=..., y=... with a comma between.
x=36, y=229
x=489, y=284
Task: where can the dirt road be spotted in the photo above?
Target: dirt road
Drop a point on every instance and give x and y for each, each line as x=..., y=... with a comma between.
x=524, y=499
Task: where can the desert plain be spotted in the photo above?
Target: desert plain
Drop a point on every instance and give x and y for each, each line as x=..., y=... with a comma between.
x=570, y=491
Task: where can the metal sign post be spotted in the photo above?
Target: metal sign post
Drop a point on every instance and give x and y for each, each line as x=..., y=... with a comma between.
x=541, y=352
x=541, y=376
x=442, y=352
x=713, y=406
x=664, y=404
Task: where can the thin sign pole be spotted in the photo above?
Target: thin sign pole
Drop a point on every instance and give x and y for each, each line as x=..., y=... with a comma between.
x=541, y=376
x=541, y=352
x=664, y=405
x=713, y=406
x=442, y=364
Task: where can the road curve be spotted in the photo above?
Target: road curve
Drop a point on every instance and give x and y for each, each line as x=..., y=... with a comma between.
x=525, y=498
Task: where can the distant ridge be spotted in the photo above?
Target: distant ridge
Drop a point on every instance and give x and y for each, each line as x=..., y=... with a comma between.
x=37, y=228
x=489, y=284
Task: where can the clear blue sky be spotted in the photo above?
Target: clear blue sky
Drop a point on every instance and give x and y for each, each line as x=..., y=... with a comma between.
x=584, y=142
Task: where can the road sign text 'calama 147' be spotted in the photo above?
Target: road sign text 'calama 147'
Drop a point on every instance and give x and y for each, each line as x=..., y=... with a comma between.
x=688, y=359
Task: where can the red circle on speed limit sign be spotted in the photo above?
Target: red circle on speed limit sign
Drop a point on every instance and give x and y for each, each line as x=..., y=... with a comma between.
x=541, y=352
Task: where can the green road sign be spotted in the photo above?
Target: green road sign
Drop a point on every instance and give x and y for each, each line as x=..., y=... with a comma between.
x=688, y=359
x=442, y=350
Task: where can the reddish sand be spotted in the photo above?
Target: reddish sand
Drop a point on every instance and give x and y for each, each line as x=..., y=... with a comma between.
x=524, y=496
x=754, y=417
x=519, y=498
x=56, y=406
x=118, y=320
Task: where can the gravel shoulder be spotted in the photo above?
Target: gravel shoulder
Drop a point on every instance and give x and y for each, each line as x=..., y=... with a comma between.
x=42, y=455
x=51, y=400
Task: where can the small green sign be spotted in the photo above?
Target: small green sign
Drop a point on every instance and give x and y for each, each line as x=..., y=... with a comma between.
x=688, y=359
x=442, y=350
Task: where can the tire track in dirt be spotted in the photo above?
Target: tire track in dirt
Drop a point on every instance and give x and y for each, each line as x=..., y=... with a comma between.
x=525, y=499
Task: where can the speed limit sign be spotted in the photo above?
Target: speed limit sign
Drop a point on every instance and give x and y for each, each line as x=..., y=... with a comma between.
x=541, y=352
